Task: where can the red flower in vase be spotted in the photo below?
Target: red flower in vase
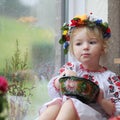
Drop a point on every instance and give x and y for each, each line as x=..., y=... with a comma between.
x=3, y=98
x=3, y=85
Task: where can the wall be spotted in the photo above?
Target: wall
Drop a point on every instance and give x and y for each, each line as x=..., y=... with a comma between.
x=114, y=21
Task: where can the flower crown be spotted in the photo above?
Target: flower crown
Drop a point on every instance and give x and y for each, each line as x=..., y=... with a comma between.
x=80, y=21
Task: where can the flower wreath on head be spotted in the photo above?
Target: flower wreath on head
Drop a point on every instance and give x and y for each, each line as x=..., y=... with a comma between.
x=80, y=21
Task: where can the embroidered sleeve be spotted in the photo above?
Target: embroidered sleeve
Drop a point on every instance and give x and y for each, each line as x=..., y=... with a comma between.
x=68, y=65
x=114, y=91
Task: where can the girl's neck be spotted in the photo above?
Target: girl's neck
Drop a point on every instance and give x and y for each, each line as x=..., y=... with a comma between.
x=92, y=67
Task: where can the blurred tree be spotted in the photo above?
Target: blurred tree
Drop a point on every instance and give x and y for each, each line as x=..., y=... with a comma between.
x=13, y=8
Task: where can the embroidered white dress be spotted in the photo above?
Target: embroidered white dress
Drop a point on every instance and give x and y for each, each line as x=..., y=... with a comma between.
x=108, y=81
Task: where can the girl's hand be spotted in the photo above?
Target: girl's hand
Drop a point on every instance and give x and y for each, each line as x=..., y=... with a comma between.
x=68, y=72
x=107, y=105
x=100, y=97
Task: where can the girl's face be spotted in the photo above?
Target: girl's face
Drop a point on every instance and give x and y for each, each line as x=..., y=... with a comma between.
x=87, y=48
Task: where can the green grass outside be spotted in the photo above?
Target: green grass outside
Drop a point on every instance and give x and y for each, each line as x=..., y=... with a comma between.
x=40, y=97
x=27, y=35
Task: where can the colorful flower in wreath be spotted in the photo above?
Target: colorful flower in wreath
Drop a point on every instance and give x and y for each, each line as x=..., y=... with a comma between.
x=65, y=32
x=79, y=21
x=65, y=45
x=82, y=17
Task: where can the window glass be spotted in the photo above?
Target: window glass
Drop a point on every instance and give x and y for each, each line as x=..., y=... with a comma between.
x=31, y=25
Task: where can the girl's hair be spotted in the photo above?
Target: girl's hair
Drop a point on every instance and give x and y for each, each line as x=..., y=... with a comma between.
x=91, y=32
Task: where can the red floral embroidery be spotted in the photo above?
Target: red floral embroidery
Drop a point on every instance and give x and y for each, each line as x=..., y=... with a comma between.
x=115, y=80
x=118, y=84
x=110, y=80
x=113, y=100
x=101, y=70
x=118, y=77
x=115, y=118
x=55, y=86
x=116, y=94
x=111, y=88
x=86, y=76
x=69, y=64
x=96, y=82
x=89, y=77
x=61, y=70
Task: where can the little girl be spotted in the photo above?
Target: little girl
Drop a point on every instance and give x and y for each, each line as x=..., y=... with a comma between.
x=85, y=38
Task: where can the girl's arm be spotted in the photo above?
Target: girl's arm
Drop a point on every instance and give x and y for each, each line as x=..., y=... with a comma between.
x=111, y=104
x=107, y=105
x=53, y=89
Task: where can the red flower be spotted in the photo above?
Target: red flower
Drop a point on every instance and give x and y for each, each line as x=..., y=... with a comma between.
x=75, y=22
x=108, y=30
x=67, y=37
x=3, y=84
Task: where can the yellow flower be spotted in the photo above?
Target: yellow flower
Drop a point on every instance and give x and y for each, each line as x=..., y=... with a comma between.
x=65, y=32
x=82, y=17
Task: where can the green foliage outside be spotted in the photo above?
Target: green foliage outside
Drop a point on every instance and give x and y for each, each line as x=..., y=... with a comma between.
x=27, y=34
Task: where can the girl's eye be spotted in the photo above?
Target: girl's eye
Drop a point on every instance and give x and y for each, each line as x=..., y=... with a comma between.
x=78, y=44
x=92, y=42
